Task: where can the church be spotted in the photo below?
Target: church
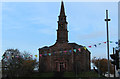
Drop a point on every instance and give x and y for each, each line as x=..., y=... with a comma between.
x=64, y=56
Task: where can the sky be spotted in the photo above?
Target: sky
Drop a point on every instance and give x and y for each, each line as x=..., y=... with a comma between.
x=28, y=26
x=119, y=21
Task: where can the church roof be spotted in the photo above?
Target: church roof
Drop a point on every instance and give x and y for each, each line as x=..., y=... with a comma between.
x=45, y=47
x=75, y=45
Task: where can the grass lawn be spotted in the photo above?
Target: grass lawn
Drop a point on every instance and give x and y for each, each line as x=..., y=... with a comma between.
x=46, y=74
x=88, y=74
x=69, y=74
x=66, y=74
x=82, y=74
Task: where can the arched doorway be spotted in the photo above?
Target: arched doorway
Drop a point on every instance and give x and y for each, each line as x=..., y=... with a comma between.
x=60, y=66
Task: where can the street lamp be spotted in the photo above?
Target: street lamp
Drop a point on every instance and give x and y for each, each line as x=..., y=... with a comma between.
x=107, y=42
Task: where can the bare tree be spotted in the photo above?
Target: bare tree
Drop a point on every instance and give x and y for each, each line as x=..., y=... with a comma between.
x=16, y=64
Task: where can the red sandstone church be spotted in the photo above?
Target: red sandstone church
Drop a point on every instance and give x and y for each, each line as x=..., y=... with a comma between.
x=63, y=56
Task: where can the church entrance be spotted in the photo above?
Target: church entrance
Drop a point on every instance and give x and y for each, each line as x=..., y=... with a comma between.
x=62, y=67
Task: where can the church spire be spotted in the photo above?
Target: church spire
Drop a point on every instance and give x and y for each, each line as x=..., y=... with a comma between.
x=62, y=12
x=62, y=33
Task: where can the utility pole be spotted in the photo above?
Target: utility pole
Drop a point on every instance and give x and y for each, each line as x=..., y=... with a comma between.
x=107, y=42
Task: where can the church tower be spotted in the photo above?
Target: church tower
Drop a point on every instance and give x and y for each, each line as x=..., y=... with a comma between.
x=62, y=32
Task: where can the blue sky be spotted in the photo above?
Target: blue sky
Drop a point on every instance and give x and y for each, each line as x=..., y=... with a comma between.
x=32, y=25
